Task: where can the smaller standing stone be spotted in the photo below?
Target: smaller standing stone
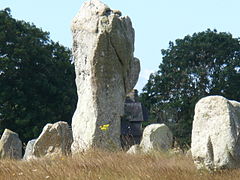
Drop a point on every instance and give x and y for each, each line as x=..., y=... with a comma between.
x=10, y=145
x=216, y=134
x=55, y=139
x=156, y=137
x=29, y=150
x=134, y=149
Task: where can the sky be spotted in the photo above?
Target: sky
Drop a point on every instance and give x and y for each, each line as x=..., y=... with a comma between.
x=156, y=22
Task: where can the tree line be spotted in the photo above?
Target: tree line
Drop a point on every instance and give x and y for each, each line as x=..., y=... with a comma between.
x=36, y=78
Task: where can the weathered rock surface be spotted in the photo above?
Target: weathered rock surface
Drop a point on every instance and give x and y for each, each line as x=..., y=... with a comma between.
x=55, y=139
x=215, y=134
x=106, y=70
x=29, y=150
x=156, y=137
x=10, y=145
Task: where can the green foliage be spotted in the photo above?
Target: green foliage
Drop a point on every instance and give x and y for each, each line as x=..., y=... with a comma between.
x=206, y=63
x=36, y=78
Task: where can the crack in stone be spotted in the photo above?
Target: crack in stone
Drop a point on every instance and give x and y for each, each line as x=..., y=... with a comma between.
x=121, y=62
x=118, y=56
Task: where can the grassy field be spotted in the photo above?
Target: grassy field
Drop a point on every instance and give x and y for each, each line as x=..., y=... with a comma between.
x=110, y=166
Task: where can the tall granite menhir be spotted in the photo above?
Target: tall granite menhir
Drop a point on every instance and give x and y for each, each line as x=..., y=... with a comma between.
x=106, y=70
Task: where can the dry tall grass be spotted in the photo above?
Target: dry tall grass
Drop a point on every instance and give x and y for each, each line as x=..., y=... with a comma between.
x=110, y=166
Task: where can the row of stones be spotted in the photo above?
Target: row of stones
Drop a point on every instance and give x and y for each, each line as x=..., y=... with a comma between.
x=215, y=142
x=215, y=137
x=56, y=139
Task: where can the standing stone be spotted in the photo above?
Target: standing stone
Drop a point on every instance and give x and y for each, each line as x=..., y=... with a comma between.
x=29, y=150
x=156, y=137
x=215, y=134
x=10, y=145
x=55, y=139
x=106, y=70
